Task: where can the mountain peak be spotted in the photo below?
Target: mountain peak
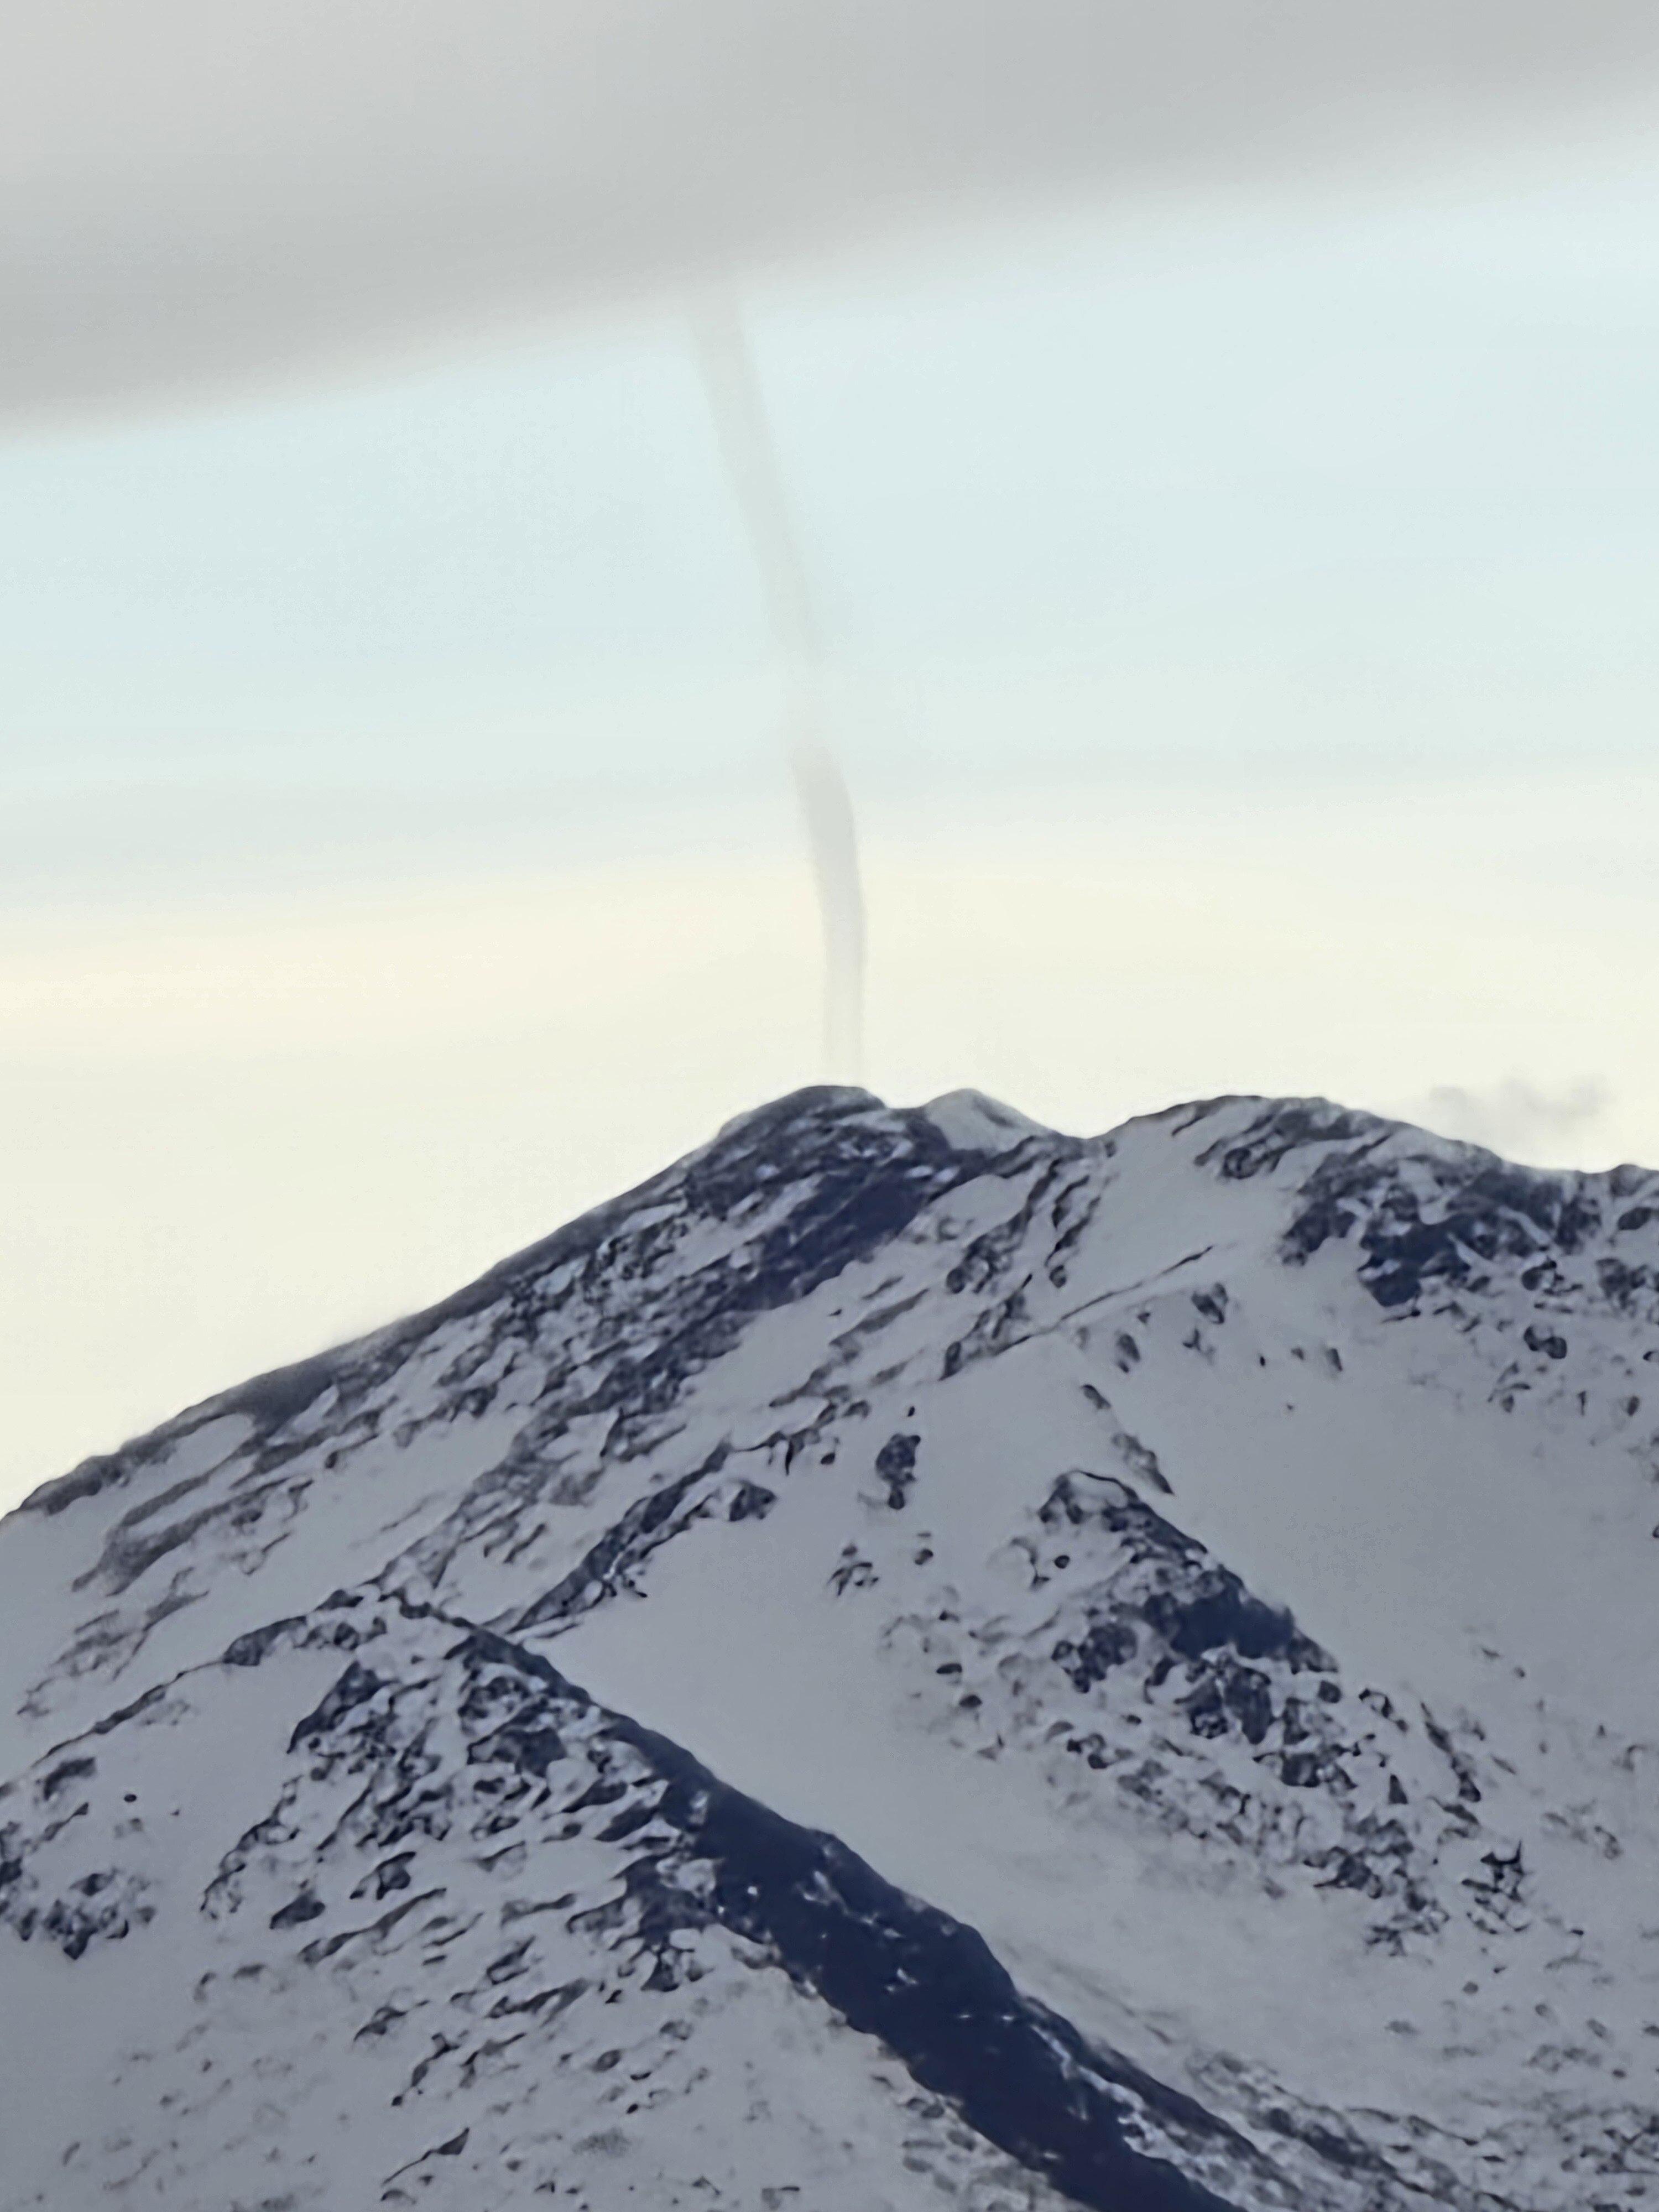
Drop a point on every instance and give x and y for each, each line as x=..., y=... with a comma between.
x=911, y=1654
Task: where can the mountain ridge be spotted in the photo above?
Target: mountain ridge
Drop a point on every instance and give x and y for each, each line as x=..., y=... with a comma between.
x=933, y=1479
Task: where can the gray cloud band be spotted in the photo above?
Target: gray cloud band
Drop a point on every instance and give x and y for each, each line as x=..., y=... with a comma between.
x=190, y=193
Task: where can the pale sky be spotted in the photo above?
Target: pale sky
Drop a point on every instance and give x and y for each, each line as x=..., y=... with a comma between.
x=1241, y=656
x=1288, y=477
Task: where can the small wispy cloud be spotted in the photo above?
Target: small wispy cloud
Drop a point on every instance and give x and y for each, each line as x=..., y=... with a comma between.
x=1513, y=1117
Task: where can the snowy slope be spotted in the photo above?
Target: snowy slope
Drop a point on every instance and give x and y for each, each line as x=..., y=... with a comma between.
x=911, y=1660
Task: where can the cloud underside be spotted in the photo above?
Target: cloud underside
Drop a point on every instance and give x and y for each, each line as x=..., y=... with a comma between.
x=191, y=194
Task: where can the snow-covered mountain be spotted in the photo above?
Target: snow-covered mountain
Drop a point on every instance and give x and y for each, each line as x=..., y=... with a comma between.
x=912, y=1660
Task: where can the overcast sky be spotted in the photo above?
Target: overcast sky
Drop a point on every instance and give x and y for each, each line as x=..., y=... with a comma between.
x=190, y=190
x=1237, y=597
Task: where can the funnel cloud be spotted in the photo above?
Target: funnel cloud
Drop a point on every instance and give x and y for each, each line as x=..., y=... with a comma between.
x=827, y=811
x=750, y=461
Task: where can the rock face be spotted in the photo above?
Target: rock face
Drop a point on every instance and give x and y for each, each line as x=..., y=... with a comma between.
x=911, y=1660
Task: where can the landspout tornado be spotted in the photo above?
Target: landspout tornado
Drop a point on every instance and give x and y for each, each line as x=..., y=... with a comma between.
x=751, y=469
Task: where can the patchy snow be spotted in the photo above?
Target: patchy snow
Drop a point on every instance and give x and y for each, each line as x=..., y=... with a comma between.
x=1216, y=1563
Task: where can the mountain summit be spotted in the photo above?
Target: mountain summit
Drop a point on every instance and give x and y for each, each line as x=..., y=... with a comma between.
x=910, y=1661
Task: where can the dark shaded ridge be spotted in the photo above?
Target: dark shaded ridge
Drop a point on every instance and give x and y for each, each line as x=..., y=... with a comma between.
x=933, y=1991
x=926, y=1985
